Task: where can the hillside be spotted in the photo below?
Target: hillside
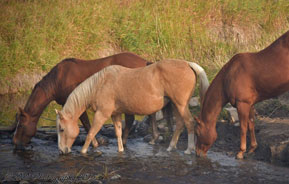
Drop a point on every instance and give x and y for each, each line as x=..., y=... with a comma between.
x=35, y=35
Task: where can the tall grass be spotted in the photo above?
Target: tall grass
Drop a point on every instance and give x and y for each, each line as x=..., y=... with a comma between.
x=35, y=35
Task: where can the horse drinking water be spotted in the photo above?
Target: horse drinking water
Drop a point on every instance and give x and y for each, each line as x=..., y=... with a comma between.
x=116, y=90
x=245, y=80
x=59, y=83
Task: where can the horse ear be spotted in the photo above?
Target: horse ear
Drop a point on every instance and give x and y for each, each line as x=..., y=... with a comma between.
x=197, y=120
x=59, y=114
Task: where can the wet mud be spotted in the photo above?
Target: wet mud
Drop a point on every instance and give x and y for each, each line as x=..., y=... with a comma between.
x=140, y=163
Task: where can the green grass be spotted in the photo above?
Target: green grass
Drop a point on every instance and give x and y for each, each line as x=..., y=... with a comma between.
x=35, y=35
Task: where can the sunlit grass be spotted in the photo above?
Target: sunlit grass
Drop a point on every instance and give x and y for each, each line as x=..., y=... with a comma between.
x=35, y=35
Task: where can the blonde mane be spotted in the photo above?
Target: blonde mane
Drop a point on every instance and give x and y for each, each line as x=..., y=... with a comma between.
x=83, y=95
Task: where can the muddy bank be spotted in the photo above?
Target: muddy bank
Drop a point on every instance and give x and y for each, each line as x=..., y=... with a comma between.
x=272, y=137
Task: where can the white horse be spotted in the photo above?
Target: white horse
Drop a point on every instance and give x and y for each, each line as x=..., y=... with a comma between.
x=143, y=91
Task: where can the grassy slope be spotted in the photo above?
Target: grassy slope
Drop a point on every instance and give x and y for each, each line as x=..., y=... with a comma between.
x=35, y=35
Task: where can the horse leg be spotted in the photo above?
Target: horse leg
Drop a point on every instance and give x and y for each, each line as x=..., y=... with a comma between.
x=179, y=129
x=85, y=122
x=187, y=118
x=252, y=130
x=155, y=131
x=98, y=121
x=243, y=112
x=166, y=112
x=129, y=119
x=118, y=130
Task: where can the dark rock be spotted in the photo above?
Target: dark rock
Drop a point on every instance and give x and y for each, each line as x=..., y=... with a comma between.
x=102, y=140
x=108, y=131
x=142, y=128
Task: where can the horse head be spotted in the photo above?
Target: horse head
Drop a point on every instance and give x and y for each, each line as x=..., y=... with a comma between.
x=67, y=131
x=25, y=129
x=205, y=137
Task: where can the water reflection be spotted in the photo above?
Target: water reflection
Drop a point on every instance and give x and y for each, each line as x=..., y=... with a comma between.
x=140, y=162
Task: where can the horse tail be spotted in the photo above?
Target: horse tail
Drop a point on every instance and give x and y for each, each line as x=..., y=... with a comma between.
x=204, y=82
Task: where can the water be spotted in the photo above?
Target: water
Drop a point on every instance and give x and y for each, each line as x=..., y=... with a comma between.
x=140, y=163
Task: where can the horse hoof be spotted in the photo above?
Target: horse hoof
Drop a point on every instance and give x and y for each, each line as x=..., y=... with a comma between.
x=170, y=148
x=152, y=142
x=188, y=152
x=240, y=156
x=83, y=151
x=252, y=149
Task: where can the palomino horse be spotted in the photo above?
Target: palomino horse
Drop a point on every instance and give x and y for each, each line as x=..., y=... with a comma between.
x=59, y=83
x=106, y=92
x=245, y=80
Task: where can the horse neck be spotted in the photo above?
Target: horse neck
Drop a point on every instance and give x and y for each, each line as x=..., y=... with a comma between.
x=36, y=103
x=78, y=100
x=213, y=103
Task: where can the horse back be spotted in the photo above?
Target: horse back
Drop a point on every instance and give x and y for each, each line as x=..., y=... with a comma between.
x=258, y=76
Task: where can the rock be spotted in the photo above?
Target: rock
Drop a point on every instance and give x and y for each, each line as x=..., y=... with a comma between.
x=273, y=141
x=148, y=138
x=159, y=115
x=233, y=114
x=102, y=140
x=142, y=128
x=194, y=101
x=115, y=177
x=108, y=131
x=23, y=182
x=80, y=140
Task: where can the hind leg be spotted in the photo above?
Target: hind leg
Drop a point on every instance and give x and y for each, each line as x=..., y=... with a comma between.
x=118, y=130
x=85, y=122
x=252, y=130
x=129, y=119
x=167, y=110
x=179, y=129
x=98, y=122
x=187, y=118
x=243, y=112
x=155, y=132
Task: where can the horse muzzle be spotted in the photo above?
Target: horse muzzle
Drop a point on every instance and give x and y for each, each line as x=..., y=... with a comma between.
x=66, y=150
x=200, y=153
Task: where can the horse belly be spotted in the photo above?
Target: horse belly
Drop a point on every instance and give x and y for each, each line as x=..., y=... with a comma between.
x=141, y=105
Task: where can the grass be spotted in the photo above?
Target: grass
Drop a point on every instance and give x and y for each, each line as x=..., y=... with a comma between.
x=35, y=35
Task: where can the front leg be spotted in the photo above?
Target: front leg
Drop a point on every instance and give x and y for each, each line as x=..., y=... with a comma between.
x=252, y=130
x=98, y=121
x=243, y=113
x=85, y=122
x=118, y=130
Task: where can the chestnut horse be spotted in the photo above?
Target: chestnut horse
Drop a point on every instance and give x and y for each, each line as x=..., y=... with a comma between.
x=116, y=90
x=59, y=83
x=245, y=80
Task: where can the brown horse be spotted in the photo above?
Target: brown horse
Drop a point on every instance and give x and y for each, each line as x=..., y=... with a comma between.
x=149, y=90
x=245, y=80
x=59, y=83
